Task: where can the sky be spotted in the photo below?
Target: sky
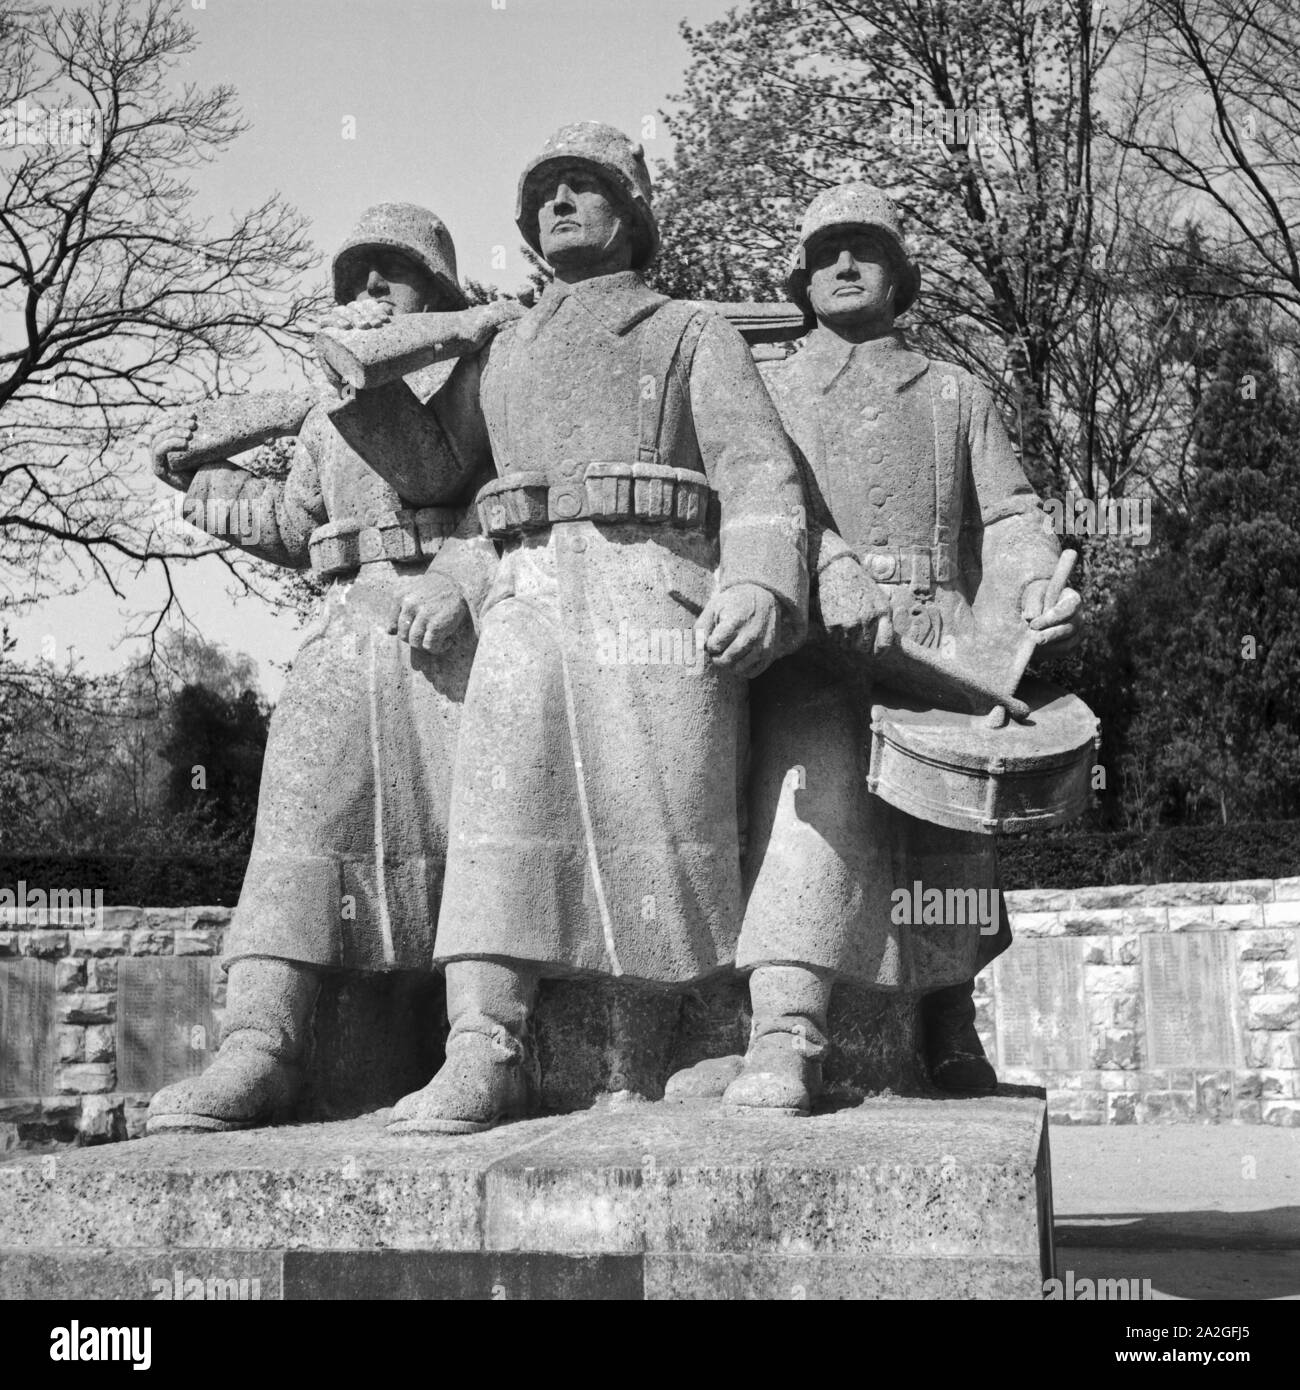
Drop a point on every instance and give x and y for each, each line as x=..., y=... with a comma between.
x=448, y=99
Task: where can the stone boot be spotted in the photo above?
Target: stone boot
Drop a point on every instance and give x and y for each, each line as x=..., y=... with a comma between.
x=255, y=1077
x=486, y=1078
x=782, y=1072
x=706, y=1080
x=953, y=1052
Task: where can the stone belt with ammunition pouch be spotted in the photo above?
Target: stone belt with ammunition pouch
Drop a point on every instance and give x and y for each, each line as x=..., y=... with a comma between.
x=403, y=537
x=606, y=493
x=919, y=567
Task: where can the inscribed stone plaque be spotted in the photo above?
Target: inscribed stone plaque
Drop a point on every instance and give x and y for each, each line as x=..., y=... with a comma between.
x=1189, y=981
x=164, y=1021
x=28, y=1028
x=1038, y=1002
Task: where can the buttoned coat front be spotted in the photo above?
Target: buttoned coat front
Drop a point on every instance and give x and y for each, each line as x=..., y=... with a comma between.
x=908, y=463
x=594, y=824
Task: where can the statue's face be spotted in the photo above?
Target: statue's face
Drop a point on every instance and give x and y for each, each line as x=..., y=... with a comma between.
x=382, y=273
x=851, y=277
x=578, y=222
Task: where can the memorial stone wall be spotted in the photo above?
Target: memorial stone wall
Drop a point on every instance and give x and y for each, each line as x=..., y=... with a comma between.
x=1142, y=1004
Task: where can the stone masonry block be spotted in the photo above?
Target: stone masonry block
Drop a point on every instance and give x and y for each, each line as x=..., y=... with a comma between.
x=152, y=943
x=1036, y=924
x=45, y=945
x=1191, y=918
x=1111, y=896
x=101, y=974
x=1125, y=950
x=1273, y=1012
x=204, y=918
x=1267, y=945
x=100, y=943
x=1281, y=976
x=197, y=943
x=101, y=1119
x=1107, y=921
x=1145, y=919
x=87, y=1008
x=164, y=918
x=1111, y=979
x=119, y=919
x=72, y=1045
x=70, y=976
x=1238, y=916
x=86, y=1078
x=101, y=1042
x=1039, y=900
x=1250, y=976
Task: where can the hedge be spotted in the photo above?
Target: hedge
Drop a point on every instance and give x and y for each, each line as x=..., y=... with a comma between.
x=127, y=881
x=1183, y=854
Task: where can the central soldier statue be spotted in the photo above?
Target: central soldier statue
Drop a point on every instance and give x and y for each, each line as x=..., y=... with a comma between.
x=651, y=520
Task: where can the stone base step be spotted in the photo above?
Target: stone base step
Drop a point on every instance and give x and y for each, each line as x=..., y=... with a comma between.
x=893, y=1198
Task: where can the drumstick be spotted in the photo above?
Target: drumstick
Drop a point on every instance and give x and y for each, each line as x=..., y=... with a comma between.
x=1028, y=644
x=959, y=677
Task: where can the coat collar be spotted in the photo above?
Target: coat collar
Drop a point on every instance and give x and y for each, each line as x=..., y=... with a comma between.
x=889, y=361
x=617, y=302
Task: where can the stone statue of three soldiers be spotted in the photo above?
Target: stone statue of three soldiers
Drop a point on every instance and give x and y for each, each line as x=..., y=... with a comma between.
x=587, y=803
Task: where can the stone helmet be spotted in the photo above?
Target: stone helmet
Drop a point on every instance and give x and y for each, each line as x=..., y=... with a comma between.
x=853, y=205
x=619, y=162
x=407, y=228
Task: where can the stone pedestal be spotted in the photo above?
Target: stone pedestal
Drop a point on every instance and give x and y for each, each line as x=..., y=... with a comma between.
x=893, y=1198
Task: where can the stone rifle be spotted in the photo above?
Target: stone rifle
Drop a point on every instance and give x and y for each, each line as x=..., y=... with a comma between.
x=233, y=424
x=369, y=357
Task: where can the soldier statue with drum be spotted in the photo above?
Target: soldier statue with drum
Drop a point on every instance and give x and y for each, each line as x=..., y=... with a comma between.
x=932, y=569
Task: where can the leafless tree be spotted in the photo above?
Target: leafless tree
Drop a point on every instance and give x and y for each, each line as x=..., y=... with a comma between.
x=1216, y=81
x=116, y=298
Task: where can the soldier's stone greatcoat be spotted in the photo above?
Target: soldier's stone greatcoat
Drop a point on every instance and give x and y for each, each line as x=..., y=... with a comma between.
x=594, y=814
x=350, y=841
x=907, y=460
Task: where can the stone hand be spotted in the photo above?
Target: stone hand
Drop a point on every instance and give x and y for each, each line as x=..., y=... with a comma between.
x=360, y=313
x=738, y=629
x=1056, y=629
x=174, y=436
x=346, y=318
x=429, y=614
x=852, y=603
x=485, y=319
